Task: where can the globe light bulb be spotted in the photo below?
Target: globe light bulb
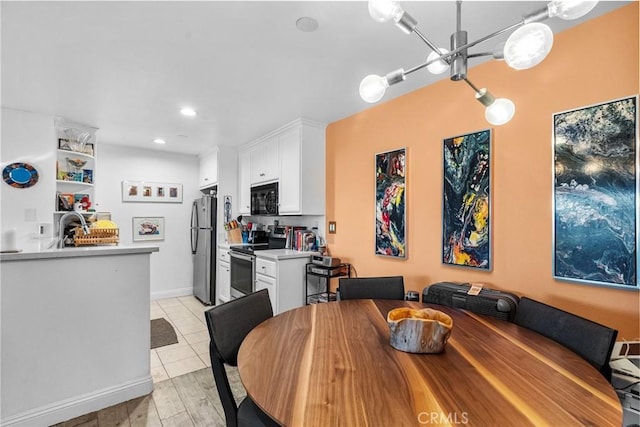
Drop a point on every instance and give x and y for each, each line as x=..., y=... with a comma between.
x=384, y=10
x=372, y=88
x=570, y=9
x=437, y=67
x=528, y=46
x=500, y=112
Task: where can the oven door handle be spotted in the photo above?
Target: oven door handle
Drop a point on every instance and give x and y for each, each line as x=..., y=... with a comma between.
x=243, y=257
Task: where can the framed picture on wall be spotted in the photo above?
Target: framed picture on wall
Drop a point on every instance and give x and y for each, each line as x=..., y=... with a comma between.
x=150, y=192
x=148, y=228
x=595, y=194
x=390, y=229
x=466, y=201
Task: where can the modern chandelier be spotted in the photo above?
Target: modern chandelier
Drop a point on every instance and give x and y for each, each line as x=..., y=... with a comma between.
x=526, y=47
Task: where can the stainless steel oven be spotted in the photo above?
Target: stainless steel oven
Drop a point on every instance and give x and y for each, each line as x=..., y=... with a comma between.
x=243, y=262
x=243, y=273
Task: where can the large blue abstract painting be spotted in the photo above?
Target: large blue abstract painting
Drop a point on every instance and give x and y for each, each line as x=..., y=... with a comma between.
x=466, y=235
x=390, y=203
x=596, y=194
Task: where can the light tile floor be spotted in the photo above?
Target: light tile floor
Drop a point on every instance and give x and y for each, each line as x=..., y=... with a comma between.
x=191, y=353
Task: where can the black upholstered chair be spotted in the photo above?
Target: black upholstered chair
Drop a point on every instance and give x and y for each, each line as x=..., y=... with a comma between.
x=228, y=325
x=391, y=287
x=590, y=340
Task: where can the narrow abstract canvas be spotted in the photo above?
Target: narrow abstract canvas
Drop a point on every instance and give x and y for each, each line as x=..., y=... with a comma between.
x=390, y=203
x=595, y=194
x=466, y=235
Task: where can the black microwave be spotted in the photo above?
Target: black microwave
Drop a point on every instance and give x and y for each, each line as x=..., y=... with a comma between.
x=264, y=199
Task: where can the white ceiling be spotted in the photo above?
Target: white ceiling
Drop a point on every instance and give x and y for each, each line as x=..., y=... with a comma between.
x=127, y=67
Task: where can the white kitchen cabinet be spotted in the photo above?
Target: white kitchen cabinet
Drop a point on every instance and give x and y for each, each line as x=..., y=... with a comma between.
x=301, y=185
x=299, y=150
x=223, y=280
x=208, y=170
x=244, y=182
x=265, y=161
x=284, y=279
x=268, y=283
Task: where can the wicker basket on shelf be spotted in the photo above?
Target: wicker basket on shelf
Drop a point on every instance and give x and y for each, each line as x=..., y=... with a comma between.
x=96, y=236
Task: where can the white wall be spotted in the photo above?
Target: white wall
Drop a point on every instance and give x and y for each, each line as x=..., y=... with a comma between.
x=171, y=268
x=31, y=138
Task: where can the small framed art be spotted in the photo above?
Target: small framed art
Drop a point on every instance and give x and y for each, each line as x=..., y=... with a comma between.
x=148, y=228
x=151, y=192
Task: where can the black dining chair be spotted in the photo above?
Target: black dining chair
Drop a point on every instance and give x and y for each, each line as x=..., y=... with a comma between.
x=590, y=340
x=391, y=287
x=228, y=325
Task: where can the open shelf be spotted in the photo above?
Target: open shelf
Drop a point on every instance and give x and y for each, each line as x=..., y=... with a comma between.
x=80, y=183
x=76, y=153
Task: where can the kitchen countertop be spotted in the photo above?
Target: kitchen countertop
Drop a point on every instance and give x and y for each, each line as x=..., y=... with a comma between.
x=279, y=254
x=274, y=254
x=39, y=249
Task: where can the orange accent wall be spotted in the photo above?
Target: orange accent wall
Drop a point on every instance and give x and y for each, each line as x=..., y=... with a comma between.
x=594, y=62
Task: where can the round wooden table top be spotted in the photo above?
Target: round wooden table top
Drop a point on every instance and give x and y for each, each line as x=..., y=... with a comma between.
x=331, y=364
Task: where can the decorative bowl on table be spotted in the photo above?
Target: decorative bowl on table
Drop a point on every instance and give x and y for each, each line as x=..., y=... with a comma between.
x=419, y=330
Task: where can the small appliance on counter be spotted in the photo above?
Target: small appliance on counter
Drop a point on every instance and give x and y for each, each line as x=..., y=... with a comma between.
x=325, y=261
x=8, y=241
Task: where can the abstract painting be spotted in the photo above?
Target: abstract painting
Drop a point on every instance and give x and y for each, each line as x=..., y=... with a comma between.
x=595, y=194
x=390, y=203
x=466, y=221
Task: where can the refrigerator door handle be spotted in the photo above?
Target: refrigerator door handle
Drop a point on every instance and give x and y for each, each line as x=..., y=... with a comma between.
x=194, y=227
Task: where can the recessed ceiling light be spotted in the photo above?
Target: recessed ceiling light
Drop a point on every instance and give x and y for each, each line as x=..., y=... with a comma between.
x=188, y=112
x=307, y=24
x=159, y=141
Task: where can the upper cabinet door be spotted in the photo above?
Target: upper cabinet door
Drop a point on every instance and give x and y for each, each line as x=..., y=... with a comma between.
x=289, y=191
x=244, y=182
x=265, y=161
x=208, y=170
x=294, y=156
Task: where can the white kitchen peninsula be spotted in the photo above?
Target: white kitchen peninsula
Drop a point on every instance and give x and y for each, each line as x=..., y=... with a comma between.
x=75, y=331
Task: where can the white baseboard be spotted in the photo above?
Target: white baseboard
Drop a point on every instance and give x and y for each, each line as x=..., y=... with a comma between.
x=80, y=405
x=172, y=293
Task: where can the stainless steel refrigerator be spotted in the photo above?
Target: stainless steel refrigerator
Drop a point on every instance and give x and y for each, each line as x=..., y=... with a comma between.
x=203, y=247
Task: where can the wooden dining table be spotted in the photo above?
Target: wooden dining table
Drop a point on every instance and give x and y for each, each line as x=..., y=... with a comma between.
x=331, y=364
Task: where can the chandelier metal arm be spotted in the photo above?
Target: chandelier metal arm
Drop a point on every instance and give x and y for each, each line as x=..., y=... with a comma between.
x=432, y=46
x=479, y=54
x=472, y=85
x=447, y=56
x=485, y=38
x=536, y=16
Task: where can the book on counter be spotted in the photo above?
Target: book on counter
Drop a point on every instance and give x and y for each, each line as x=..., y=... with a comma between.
x=305, y=240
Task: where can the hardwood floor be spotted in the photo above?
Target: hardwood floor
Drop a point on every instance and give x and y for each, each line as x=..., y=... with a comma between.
x=187, y=400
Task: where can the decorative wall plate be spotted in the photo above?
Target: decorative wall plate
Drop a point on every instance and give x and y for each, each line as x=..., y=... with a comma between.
x=20, y=175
